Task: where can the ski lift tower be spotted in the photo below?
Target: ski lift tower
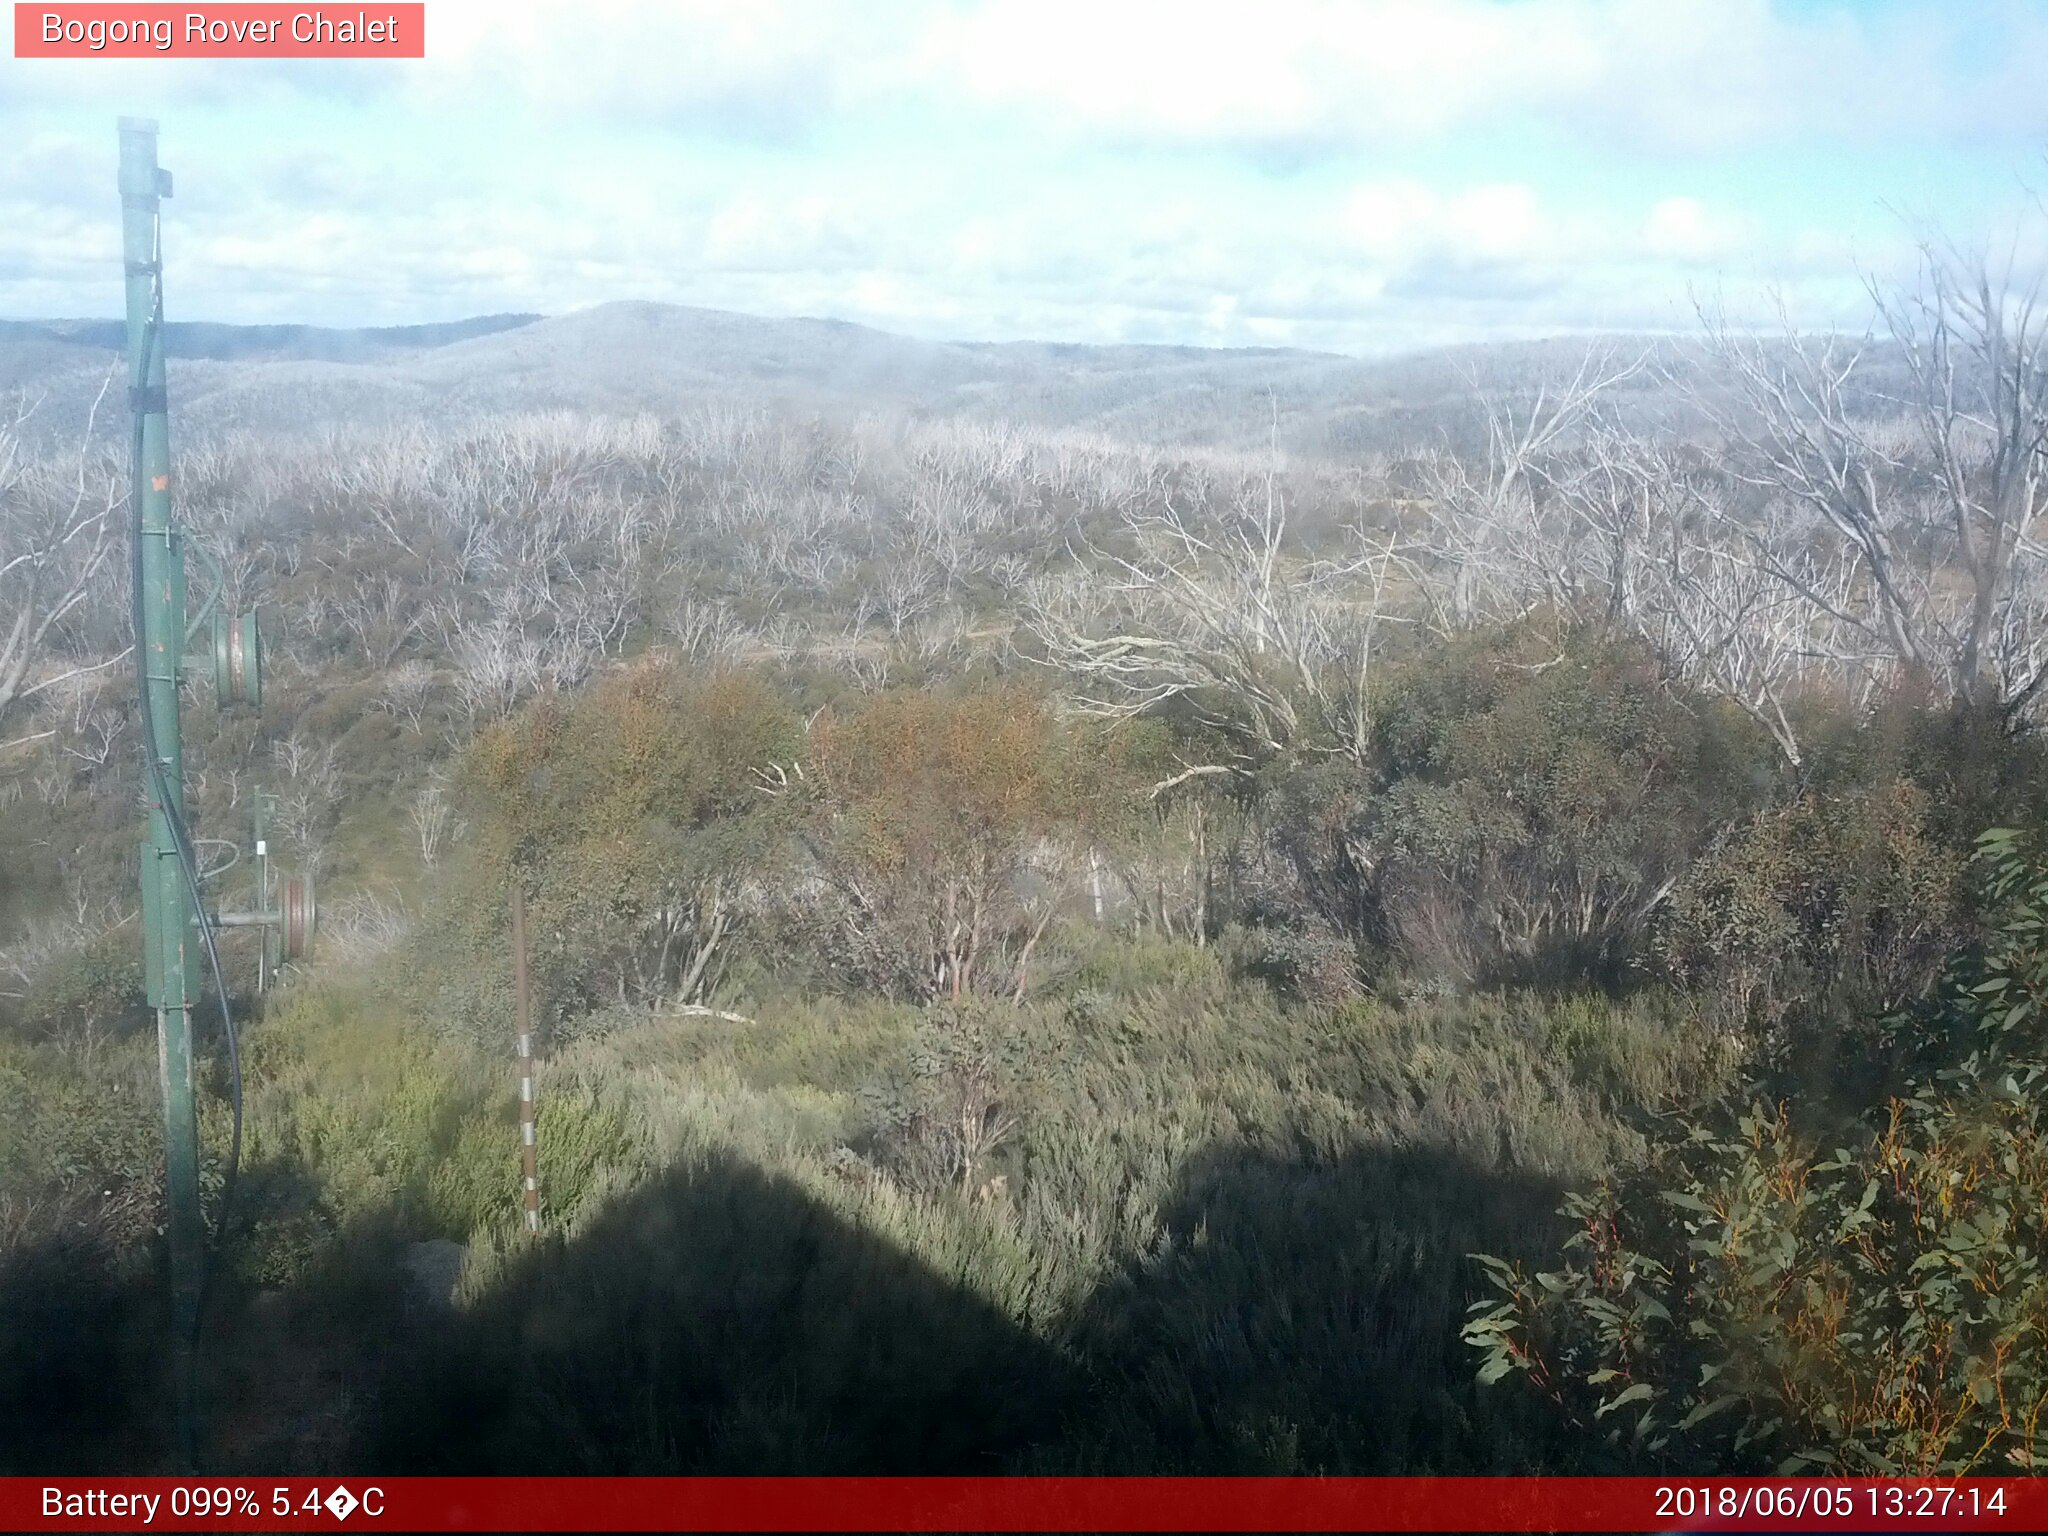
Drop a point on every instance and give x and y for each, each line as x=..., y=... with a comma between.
x=178, y=929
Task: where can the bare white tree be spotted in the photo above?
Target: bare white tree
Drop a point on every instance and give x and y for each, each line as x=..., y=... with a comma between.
x=1721, y=622
x=1502, y=538
x=361, y=927
x=909, y=586
x=702, y=630
x=1926, y=508
x=431, y=812
x=497, y=663
x=1655, y=549
x=310, y=784
x=95, y=731
x=405, y=691
x=381, y=614
x=56, y=537
x=47, y=935
x=1270, y=647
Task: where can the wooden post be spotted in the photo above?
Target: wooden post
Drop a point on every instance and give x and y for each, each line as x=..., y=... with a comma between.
x=529, y=1149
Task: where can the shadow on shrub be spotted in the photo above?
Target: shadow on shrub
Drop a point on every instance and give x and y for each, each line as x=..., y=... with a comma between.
x=1303, y=1319
x=720, y=1319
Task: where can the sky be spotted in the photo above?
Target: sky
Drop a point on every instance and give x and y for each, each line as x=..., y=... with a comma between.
x=1364, y=176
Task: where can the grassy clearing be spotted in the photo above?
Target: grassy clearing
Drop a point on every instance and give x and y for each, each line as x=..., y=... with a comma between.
x=1226, y=1231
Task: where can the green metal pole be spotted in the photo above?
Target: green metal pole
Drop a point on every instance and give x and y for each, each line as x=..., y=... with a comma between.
x=166, y=904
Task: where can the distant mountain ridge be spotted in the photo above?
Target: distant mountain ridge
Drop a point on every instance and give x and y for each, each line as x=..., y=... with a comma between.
x=633, y=357
x=219, y=342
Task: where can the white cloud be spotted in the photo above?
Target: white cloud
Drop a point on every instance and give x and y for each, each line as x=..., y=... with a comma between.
x=1383, y=264
x=1496, y=223
x=1684, y=229
x=1405, y=222
x=758, y=67
x=1690, y=74
x=1684, y=75
x=1326, y=172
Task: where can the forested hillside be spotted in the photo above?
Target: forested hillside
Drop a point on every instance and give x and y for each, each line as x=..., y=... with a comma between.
x=1103, y=910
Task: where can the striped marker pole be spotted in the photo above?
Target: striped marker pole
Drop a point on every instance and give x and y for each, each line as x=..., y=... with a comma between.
x=529, y=1149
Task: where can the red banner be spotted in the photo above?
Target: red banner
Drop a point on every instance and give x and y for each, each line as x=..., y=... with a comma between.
x=1021, y=1504
x=379, y=30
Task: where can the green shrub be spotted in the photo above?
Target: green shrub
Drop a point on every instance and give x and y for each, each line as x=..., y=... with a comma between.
x=1303, y=959
x=1774, y=1290
x=634, y=816
x=1122, y=965
x=1522, y=814
x=88, y=991
x=374, y=1121
x=1831, y=907
x=928, y=810
x=85, y=1126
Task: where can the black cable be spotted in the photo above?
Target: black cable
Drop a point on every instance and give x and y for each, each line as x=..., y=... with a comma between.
x=181, y=840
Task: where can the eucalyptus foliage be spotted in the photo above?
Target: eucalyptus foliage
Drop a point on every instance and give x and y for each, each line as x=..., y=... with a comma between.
x=1770, y=1291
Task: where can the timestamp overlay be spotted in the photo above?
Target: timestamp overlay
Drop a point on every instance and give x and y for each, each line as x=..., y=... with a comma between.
x=1023, y=1504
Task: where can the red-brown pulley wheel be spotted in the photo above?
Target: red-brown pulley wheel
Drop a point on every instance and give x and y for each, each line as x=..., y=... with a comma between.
x=300, y=917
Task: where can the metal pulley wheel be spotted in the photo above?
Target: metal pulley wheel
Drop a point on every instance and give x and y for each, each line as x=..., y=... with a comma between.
x=300, y=916
x=238, y=659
